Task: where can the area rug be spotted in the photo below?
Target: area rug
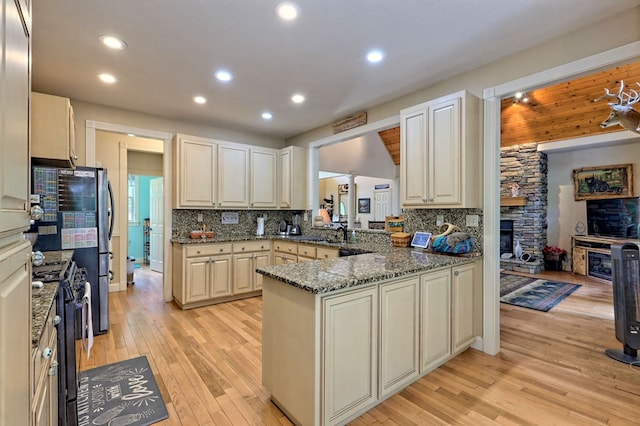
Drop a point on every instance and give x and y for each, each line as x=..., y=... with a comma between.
x=120, y=394
x=533, y=293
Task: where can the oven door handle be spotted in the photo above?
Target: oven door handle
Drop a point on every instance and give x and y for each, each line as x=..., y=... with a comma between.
x=110, y=275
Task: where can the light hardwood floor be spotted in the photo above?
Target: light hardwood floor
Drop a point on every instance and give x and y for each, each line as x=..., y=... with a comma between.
x=551, y=370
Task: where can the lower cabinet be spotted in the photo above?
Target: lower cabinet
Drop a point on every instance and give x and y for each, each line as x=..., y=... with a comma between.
x=350, y=336
x=44, y=373
x=435, y=319
x=248, y=256
x=399, y=326
x=347, y=352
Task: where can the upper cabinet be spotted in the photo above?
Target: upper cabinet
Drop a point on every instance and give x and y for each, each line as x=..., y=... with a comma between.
x=211, y=173
x=195, y=174
x=15, y=80
x=53, y=134
x=263, y=178
x=440, y=148
x=293, y=178
x=233, y=175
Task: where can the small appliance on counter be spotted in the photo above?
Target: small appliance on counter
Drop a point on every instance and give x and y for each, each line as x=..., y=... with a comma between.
x=295, y=228
x=283, y=227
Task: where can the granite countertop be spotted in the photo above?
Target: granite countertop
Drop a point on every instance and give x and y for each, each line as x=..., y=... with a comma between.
x=41, y=302
x=42, y=298
x=324, y=276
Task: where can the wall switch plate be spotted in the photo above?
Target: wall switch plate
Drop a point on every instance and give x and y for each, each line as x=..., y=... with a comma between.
x=199, y=217
x=472, y=220
x=439, y=220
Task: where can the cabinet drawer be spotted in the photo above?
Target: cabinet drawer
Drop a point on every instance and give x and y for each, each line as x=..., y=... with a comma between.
x=326, y=253
x=208, y=249
x=246, y=246
x=285, y=247
x=307, y=251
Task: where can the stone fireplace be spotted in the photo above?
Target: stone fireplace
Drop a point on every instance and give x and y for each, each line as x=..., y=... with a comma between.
x=525, y=166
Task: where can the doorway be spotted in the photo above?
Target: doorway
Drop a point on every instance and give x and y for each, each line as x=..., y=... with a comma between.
x=162, y=146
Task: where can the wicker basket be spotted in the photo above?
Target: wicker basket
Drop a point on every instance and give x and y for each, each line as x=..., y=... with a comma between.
x=400, y=239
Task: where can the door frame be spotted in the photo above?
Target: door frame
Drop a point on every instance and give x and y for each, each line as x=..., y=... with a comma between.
x=153, y=182
x=90, y=160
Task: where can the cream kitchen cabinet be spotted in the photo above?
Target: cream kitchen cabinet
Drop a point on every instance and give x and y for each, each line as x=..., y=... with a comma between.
x=306, y=252
x=53, y=134
x=233, y=175
x=15, y=71
x=247, y=256
x=440, y=153
x=350, y=359
x=195, y=173
x=263, y=178
x=285, y=252
x=399, y=334
x=327, y=253
x=15, y=329
x=293, y=178
x=202, y=273
x=44, y=372
x=435, y=319
x=465, y=281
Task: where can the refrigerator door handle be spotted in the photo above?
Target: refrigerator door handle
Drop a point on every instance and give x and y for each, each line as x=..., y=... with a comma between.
x=111, y=211
x=110, y=275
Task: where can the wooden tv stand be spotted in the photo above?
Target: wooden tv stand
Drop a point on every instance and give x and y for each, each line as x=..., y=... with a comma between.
x=582, y=245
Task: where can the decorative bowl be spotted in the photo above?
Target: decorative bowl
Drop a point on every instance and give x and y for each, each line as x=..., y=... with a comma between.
x=198, y=235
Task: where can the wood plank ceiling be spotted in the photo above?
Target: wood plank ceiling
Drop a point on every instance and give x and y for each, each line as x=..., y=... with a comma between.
x=557, y=112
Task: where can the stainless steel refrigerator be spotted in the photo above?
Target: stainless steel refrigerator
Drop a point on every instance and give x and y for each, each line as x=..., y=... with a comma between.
x=78, y=215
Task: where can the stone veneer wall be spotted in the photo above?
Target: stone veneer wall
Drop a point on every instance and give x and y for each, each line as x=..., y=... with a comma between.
x=526, y=166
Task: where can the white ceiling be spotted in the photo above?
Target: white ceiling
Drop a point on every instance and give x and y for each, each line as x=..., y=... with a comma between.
x=175, y=46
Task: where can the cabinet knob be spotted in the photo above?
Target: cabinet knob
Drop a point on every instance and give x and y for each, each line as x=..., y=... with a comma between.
x=431, y=199
x=46, y=353
x=198, y=252
x=456, y=273
x=242, y=249
x=56, y=320
x=223, y=249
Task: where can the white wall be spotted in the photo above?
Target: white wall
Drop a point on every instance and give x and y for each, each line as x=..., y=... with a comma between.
x=563, y=211
x=366, y=156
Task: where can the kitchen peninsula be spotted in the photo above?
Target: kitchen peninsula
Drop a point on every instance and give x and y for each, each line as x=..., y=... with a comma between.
x=341, y=335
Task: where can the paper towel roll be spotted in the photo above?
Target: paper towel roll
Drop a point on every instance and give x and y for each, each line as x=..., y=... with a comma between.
x=260, y=229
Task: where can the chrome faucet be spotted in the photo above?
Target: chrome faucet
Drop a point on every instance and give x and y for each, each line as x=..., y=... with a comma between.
x=345, y=234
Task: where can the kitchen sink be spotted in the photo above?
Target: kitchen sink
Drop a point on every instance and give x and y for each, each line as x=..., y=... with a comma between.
x=344, y=251
x=308, y=238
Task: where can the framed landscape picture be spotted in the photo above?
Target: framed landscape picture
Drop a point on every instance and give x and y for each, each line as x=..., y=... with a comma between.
x=364, y=205
x=603, y=182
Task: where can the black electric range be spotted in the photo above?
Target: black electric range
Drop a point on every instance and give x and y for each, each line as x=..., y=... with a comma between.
x=58, y=266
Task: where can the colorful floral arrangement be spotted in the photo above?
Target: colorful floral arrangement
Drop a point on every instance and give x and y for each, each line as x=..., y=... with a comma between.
x=554, y=251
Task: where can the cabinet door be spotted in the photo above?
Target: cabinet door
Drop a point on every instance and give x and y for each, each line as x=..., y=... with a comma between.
x=221, y=284
x=260, y=260
x=444, y=152
x=284, y=258
x=197, y=279
x=413, y=157
x=293, y=178
x=399, y=317
x=233, y=176
x=463, y=310
x=579, y=261
x=196, y=173
x=286, y=164
x=15, y=332
x=263, y=178
x=435, y=319
x=349, y=354
x=243, y=272
x=14, y=131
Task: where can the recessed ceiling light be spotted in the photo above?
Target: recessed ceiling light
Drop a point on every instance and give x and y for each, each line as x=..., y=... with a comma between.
x=297, y=98
x=287, y=10
x=113, y=42
x=107, y=78
x=375, y=56
x=131, y=134
x=223, y=75
x=200, y=100
x=267, y=115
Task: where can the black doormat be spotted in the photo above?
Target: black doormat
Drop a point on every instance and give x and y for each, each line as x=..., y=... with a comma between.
x=120, y=394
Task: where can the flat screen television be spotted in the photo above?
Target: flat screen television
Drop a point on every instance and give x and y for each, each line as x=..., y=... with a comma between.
x=614, y=217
